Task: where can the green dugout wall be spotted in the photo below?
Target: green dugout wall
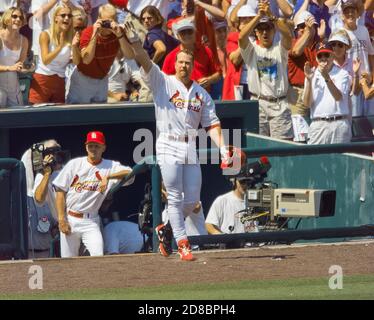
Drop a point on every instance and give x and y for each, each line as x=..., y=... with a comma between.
x=351, y=175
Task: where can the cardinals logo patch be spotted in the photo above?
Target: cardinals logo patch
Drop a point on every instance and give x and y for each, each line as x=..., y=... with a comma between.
x=177, y=100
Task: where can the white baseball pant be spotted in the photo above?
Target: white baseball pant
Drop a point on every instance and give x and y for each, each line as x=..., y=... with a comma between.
x=194, y=222
x=181, y=174
x=85, y=229
x=183, y=184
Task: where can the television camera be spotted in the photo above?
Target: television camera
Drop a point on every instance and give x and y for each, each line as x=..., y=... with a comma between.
x=39, y=152
x=266, y=199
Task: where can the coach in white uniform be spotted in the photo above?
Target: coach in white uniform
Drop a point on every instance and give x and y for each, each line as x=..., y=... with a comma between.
x=180, y=106
x=82, y=186
x=326, y=93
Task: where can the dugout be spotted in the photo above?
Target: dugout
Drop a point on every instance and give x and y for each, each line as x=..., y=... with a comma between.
x=68, y=124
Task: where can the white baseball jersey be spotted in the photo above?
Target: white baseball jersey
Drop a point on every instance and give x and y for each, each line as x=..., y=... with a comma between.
x=81, y=180
x=178, y=109
x=179, y=112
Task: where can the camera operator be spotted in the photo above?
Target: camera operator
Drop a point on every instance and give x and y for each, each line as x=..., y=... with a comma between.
x=99, y=45
x=41, y=196
x=223, y=216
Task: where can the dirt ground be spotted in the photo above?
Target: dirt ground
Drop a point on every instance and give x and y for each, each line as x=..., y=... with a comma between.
x=142, y=270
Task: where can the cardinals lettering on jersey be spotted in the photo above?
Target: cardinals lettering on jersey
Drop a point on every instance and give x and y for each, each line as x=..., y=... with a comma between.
x=194, y=104
x=86, y=185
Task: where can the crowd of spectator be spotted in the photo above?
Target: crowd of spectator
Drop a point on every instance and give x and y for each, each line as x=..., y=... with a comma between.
x=309, y=63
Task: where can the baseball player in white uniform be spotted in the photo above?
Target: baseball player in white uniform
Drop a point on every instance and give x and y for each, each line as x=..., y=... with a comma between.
x=81, y=188
x=180, y=106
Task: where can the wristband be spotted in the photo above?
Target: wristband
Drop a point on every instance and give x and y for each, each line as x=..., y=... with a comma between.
x=223, y=150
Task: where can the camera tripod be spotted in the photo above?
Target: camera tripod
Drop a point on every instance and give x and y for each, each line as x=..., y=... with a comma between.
x=258, y=218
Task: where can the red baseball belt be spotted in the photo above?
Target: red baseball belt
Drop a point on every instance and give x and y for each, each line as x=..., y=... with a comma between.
x=76, y=214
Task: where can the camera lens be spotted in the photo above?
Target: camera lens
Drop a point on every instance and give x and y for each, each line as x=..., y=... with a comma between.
x=106, y=24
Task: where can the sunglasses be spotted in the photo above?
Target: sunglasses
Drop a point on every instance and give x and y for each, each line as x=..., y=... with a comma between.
x=337, y=44
x=64, y=15
x=187, y=31
x=323, y=55
x=15, y=16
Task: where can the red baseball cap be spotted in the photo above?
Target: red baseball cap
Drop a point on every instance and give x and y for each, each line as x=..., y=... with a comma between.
x=119, y=3
x=324, y=47
x=96, y=137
